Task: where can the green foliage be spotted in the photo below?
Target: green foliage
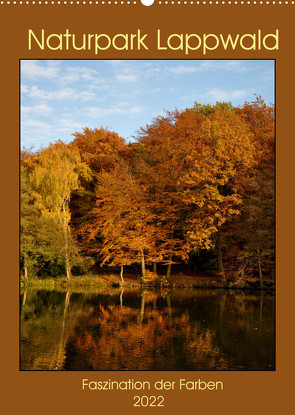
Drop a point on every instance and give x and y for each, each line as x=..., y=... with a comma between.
x=47, y=240
x=208, y=109
x=29, y=226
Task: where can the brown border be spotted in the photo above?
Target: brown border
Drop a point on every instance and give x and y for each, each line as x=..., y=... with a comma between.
x=244, y=392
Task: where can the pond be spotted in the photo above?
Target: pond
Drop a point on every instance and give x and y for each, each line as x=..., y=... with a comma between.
x=121, y=329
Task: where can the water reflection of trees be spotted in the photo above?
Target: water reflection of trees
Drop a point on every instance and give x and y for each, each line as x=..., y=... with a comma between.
x=128, y=330
x=46, y=322
x=121, y=337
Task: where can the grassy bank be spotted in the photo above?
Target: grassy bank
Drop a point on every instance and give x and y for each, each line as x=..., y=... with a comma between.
x=130, y=281
x=76, y=281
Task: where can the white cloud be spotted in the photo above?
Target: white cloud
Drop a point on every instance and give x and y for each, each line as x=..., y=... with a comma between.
x=24, y=89
x=33, y=123
x=154, y=91
x=225, y=65
x=37, y=133
x=123, y=108
x=95, y=112
x=31, y=69
x=61, y=94
x=222, y=65
x=218, y=94
x=126, y=77
x=42, y=109
x=183, y=69
x=152, y=69
x=136, y=109
x=82, y=73
x=123, y=71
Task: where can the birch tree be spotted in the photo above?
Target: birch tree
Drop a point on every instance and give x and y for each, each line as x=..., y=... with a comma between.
x=55, y=175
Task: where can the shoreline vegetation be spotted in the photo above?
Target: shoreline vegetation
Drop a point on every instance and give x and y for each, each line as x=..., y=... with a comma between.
x=133, y=282
x=194, y=191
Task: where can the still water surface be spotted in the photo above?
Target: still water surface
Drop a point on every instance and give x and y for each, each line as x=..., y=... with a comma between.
x=116, y=329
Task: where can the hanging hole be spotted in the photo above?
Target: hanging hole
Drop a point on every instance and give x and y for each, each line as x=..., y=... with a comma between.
x=147, y=2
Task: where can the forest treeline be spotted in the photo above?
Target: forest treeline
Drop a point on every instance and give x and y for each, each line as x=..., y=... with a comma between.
x=195, y=186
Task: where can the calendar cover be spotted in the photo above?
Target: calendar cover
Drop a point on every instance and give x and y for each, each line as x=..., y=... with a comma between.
x=147, y=206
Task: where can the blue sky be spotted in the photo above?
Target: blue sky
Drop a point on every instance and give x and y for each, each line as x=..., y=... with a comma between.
x=60, y=97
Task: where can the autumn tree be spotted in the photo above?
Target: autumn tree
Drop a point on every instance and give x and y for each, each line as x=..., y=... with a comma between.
x=55, y=174
x=101, y=150
x=252, y=248
x=230, y=162
x=29, y=219
x=161, y=162
x=123, y=220
x=192, y=164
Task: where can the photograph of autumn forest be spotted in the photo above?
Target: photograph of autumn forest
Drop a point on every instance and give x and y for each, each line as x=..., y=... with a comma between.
x=147, y=215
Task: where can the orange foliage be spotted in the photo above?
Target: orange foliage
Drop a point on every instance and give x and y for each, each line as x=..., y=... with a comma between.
x=127, y=341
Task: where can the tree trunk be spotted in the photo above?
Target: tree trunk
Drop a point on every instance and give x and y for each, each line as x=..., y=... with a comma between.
x=26, y=272
x=220, y=316
x=121, y=274
x=142, y=265
x=59, y=355
x=142, y=307
x=68, y=267
x=24, y=298
x=155, y=268
x=219, y=260
x=67, y=301
x=121, y=298
x=259, y=266
x=67, y=260
x=260, y=274
x=260, y=310
x=169, y=308
x=168, y=273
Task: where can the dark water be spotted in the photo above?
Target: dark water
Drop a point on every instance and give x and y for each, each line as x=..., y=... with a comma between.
x=133, y=330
